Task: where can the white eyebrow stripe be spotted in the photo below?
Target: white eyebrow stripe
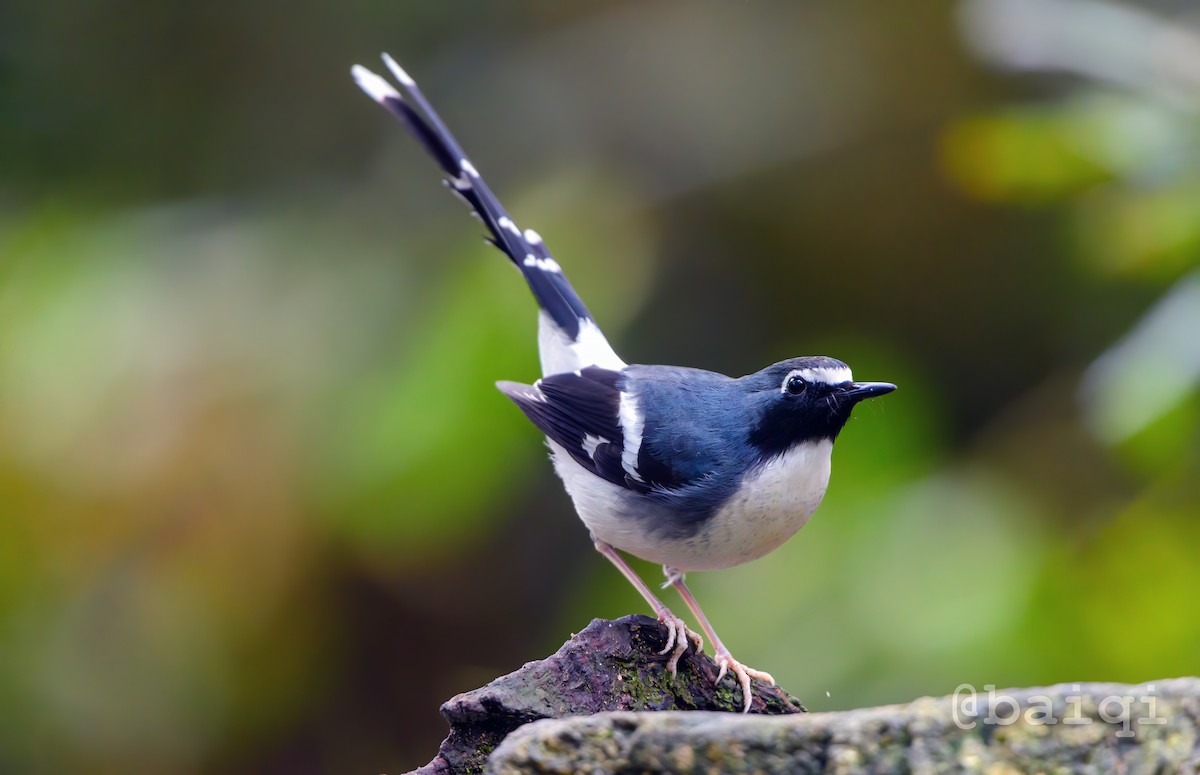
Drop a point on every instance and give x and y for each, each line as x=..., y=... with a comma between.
x=822, y=374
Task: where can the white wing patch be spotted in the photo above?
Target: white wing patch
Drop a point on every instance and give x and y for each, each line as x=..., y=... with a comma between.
x=633, y=423
x=591, y=442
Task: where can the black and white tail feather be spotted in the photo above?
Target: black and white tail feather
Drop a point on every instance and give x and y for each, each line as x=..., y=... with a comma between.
x=581, y=402
x=568, y=337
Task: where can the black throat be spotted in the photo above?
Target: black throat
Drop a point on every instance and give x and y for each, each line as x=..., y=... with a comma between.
x=782, y=426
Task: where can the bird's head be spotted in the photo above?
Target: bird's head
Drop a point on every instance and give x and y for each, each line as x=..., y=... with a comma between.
x=804, y=399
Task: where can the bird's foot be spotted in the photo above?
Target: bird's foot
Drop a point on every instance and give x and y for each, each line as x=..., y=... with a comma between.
x=678, y=635
x=743, y=674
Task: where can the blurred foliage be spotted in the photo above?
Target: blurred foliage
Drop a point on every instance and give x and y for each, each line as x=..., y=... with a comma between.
x=261, y=508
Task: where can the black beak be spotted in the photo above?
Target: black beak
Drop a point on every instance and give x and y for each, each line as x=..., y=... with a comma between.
x=857, y=391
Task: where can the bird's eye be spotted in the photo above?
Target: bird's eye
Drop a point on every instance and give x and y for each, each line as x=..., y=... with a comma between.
x=795, y=385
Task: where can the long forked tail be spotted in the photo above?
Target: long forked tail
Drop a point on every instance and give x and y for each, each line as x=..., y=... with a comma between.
x=579, y=341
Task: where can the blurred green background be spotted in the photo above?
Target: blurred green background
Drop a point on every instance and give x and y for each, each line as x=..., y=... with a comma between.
x=261, y=508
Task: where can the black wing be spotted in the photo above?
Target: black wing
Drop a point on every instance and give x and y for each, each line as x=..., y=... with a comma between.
x=581, y=412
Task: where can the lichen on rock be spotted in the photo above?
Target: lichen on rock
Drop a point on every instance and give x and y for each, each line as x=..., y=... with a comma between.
x=608, y=666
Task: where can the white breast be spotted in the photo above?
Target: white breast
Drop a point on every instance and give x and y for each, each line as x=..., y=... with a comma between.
x=768, y=508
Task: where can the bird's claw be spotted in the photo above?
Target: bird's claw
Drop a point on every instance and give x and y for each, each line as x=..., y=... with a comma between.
x=678, y=635
x=743, y=675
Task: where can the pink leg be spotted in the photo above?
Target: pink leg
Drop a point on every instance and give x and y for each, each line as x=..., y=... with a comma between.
x=678, y=633
x=722, y=656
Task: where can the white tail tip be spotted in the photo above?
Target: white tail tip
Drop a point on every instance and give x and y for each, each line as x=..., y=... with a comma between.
x=374, y=85
x=398, y=71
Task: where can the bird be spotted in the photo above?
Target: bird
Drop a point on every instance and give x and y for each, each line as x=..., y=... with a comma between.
x=683, y=467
